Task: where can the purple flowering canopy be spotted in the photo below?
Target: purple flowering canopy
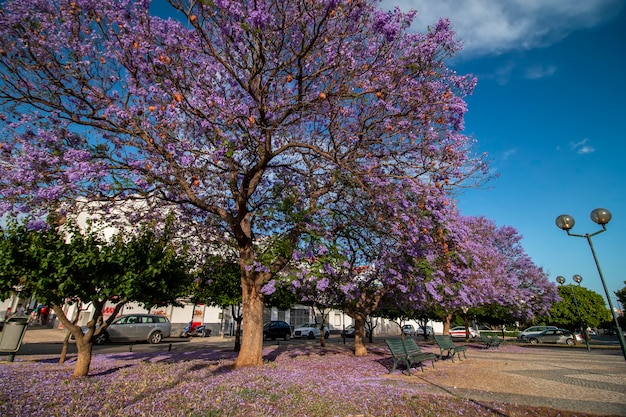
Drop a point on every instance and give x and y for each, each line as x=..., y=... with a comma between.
x=265, y=120
x=487, y=265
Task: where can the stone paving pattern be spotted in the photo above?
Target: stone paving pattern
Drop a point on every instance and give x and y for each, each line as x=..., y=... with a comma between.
x=566, y=379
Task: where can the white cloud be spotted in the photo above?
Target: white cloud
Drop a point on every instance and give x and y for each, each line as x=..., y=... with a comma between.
x=540, y=71
x=507, y=154
x=503, y=73
x=490, y=27
x=582, y=147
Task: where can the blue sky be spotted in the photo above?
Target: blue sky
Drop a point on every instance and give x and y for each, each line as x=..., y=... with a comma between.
x=550, y=110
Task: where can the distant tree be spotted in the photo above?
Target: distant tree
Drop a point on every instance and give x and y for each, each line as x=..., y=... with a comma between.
x=495, y=315
x=592, y=307
x=60, y=264
x=279, y=294
x=621, y=297
x=321, y=307
x=216, y=284
x=478, y=264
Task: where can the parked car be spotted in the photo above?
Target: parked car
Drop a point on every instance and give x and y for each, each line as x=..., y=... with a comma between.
x=429, y=331
x=310, y=331
x=349, y=331
x=135, y=327
x=532, y=331
x=555, y=336
x=459, y=331
x=408, y=329
x=276, y=328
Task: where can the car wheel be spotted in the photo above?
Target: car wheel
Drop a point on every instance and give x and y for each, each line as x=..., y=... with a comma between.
x=286, y=336
x=326, y=335
x=155, y=337
x=533, y=341
x=570, y=341
x=311, y=335
x=101, y=339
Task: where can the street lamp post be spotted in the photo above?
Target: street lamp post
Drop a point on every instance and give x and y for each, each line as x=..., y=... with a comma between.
x=578, y=279
x=602, y=217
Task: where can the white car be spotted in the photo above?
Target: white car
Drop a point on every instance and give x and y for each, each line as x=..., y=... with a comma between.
x=429, y=331
x=310, y=331
x=408, y=329
x=459, y=331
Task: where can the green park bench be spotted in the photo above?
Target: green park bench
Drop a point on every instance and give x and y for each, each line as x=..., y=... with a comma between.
x=446, y=344
x=409, y=354
x=488, y=342
x=414, y=352
x=496, y=340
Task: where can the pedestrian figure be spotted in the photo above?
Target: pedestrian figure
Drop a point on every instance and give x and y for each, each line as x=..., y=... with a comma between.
x=19, y=311
x=43, y=314
x=33, y=317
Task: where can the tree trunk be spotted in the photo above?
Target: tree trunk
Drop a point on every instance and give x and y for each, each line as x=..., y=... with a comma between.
x=251, y=353
x=83, y=362
x=84, y=344
x=466, y=322
x=446, y=323
x=237, y=316
x=66, y=342
x=322, y=335
x=359, y=335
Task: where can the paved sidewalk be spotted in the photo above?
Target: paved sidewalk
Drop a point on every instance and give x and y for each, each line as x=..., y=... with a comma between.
x=561, y=378
x=42, y=334
x=564, y=379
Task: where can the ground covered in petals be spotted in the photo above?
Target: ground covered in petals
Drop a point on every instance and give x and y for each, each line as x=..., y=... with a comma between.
x=305, y=382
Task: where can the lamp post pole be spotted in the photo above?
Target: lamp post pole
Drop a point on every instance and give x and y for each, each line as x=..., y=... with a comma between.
x=578, y=279
x=602, y=217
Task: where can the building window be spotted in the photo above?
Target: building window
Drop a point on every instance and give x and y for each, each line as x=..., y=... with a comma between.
x=298, y=316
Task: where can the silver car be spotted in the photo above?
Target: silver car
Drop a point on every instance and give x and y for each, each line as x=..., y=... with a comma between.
x=555, y=336
x=136, y=327
x=526, y=334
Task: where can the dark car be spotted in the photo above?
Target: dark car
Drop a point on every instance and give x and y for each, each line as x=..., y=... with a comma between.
x=349, y=332
x=274, y=329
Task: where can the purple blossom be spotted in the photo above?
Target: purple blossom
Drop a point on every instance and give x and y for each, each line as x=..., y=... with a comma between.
x=269, y=288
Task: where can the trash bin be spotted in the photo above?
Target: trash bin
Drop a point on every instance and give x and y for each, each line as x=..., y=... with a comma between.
x=12, y=335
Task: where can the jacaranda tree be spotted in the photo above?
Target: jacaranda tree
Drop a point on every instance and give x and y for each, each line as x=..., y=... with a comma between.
x=472, y=264
x=387, y=256
x=485, y=265
x=254, y=117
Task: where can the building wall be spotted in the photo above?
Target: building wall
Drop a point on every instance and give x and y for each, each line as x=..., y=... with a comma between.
x=219, y=320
